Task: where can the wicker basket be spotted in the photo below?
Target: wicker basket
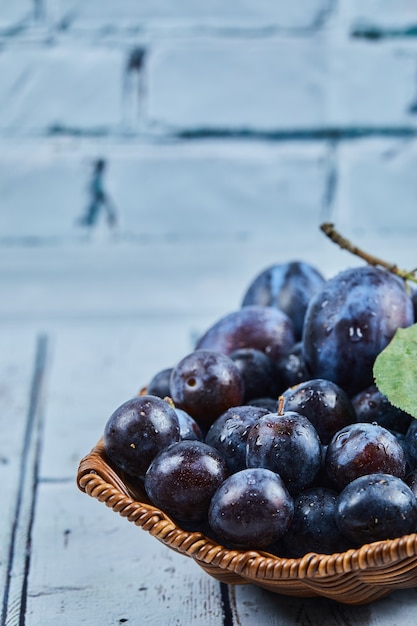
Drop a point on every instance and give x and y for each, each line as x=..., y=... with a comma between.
x=352, y=577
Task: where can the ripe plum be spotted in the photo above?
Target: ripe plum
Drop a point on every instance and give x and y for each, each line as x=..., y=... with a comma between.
x=228, y=434
x=287, y=444
x=360, y=449
x=182, y=479
x=138, y=430
x=251, y=509
x=292, y=368
x=313, y=527
x=372, y=406
x=263, y=328
x=324, y=403
x=205, y=384
x=350, y=321
x=376, y=506
x=288, y=287
x=260, y=376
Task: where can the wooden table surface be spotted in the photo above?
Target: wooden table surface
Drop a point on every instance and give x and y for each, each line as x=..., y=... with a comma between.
x=66, y=558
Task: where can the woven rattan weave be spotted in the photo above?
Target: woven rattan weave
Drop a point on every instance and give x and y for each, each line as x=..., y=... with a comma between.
x=352, y=577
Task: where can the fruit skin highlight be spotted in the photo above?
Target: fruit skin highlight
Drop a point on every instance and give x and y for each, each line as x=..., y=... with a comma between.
x=350, y=321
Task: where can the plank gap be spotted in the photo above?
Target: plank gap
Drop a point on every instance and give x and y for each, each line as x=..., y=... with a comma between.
x=18, y=564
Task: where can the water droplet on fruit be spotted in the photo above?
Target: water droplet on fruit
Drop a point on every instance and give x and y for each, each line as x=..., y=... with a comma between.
x=355, y=334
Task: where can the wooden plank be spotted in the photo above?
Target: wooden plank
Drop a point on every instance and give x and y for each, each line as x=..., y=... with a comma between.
x=97, y=367
x=22, y=437
x=88, y=565
x=91, y=566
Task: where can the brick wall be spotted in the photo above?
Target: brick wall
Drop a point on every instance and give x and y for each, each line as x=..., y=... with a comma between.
x=207, y=113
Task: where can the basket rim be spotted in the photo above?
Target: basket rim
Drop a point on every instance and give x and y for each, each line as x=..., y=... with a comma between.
x=98, y=478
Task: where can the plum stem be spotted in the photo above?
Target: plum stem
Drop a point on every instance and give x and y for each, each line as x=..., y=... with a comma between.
x=345, y=244
x=281, y=401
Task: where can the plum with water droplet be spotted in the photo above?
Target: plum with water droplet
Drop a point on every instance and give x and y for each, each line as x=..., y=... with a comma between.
x=350, y=321
x=360, y=449
x=138, y=430
x=287, y=444
x=372, y=406
x=375, y=507
x=182, y=479
x=324, y=403
x=292, y=368
x=314, y=527
x=228, y=434
x=251, y=509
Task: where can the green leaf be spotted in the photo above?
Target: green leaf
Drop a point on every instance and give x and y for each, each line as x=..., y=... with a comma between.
x=395, y=370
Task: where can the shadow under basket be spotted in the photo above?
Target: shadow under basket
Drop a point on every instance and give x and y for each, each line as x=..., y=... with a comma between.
x=356, y=576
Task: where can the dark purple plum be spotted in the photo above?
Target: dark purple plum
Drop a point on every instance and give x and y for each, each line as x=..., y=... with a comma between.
x=292, y=368
x=260, y=376
x=229, y=432
x=159, y=384
x=350, y=321
x=205, y=384
x=361, y=449
x=372, y=406
x=313, y=527
x=182, y=479
x=138, y=430
x=375, y=507
x=288, y=287
x=251, y=509
x=324, y=403
x=263, y=328
x=287, y=444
